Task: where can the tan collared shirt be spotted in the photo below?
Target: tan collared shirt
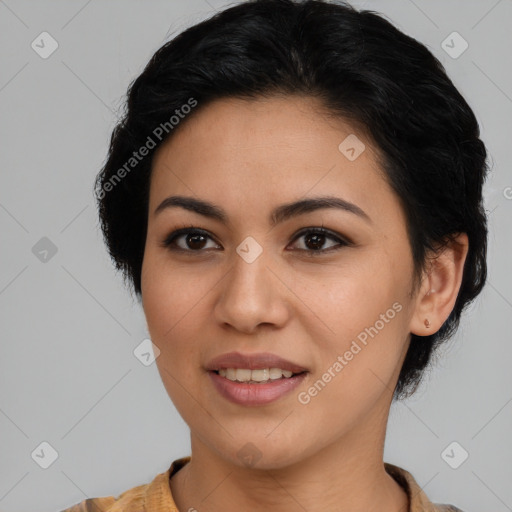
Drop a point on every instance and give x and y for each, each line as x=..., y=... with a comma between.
x=156, y=496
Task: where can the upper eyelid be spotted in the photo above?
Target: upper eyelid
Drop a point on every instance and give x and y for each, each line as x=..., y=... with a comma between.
x=327, y=232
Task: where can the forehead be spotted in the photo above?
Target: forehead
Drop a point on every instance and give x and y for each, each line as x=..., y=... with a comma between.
x=274, y=121
x=274, y=133
x=267, y=151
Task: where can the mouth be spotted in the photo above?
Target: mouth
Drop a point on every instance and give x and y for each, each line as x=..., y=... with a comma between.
x=258, y=376
x=254, y=379
x=254, y=392
x=256, y=361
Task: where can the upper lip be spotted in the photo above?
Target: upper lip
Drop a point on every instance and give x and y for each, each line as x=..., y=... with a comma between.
x=252, y=362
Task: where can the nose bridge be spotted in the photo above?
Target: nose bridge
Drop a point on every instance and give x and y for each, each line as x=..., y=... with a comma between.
x=251, y=295
x=249, y=275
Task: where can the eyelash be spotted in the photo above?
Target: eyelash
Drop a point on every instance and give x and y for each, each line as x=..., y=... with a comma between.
x=170, y=239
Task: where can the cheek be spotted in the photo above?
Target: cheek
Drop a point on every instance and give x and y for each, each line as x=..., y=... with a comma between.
x=170, y=295
x=171, y=309
x=364, y=307
x=360, y=361
x=349, y=297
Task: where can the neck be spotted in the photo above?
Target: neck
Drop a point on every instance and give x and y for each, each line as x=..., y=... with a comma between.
x=348, y=474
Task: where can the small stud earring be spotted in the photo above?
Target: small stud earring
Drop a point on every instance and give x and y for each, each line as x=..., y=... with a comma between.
x=427, y=323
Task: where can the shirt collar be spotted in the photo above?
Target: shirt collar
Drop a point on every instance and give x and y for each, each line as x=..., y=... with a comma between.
x=418, y=500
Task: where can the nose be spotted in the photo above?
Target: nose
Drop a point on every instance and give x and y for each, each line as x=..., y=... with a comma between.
x=252, y=294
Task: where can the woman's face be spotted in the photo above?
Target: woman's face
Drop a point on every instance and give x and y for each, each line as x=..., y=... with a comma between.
x=260, y=280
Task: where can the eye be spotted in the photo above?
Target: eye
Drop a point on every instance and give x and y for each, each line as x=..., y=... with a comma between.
x=315, y=238
x=192, y=240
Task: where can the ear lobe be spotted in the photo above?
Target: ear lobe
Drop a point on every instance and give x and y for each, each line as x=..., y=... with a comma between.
x=440, y=286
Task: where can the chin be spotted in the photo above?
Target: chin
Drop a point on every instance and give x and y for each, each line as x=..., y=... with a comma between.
x=260, y=454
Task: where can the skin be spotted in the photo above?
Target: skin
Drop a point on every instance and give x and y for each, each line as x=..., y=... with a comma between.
x=248, y=157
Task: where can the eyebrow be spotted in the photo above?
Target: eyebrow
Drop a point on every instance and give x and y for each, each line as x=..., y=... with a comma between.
x=278, y=215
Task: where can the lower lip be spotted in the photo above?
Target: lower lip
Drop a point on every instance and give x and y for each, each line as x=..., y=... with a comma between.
x=243, y=393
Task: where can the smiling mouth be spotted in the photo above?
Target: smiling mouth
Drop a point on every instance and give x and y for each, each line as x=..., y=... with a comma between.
x=256, y=376
x=255, y=387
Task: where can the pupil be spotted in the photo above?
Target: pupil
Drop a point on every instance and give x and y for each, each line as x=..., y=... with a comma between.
x=318, y=240
x=194, y=242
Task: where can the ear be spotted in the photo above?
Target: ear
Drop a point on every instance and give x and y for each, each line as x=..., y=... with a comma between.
x=439, y=286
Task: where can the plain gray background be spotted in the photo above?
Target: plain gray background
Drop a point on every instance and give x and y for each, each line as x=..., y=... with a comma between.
x=68, y=375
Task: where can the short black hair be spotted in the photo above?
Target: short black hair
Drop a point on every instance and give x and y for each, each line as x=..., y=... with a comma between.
x=364, y=71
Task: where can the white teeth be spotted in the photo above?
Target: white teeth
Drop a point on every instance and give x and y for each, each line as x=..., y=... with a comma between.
x=275, y=373
x=260, y=375
x=243, y=375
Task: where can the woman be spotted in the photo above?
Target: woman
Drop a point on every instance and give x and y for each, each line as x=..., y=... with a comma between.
x=295, y=195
